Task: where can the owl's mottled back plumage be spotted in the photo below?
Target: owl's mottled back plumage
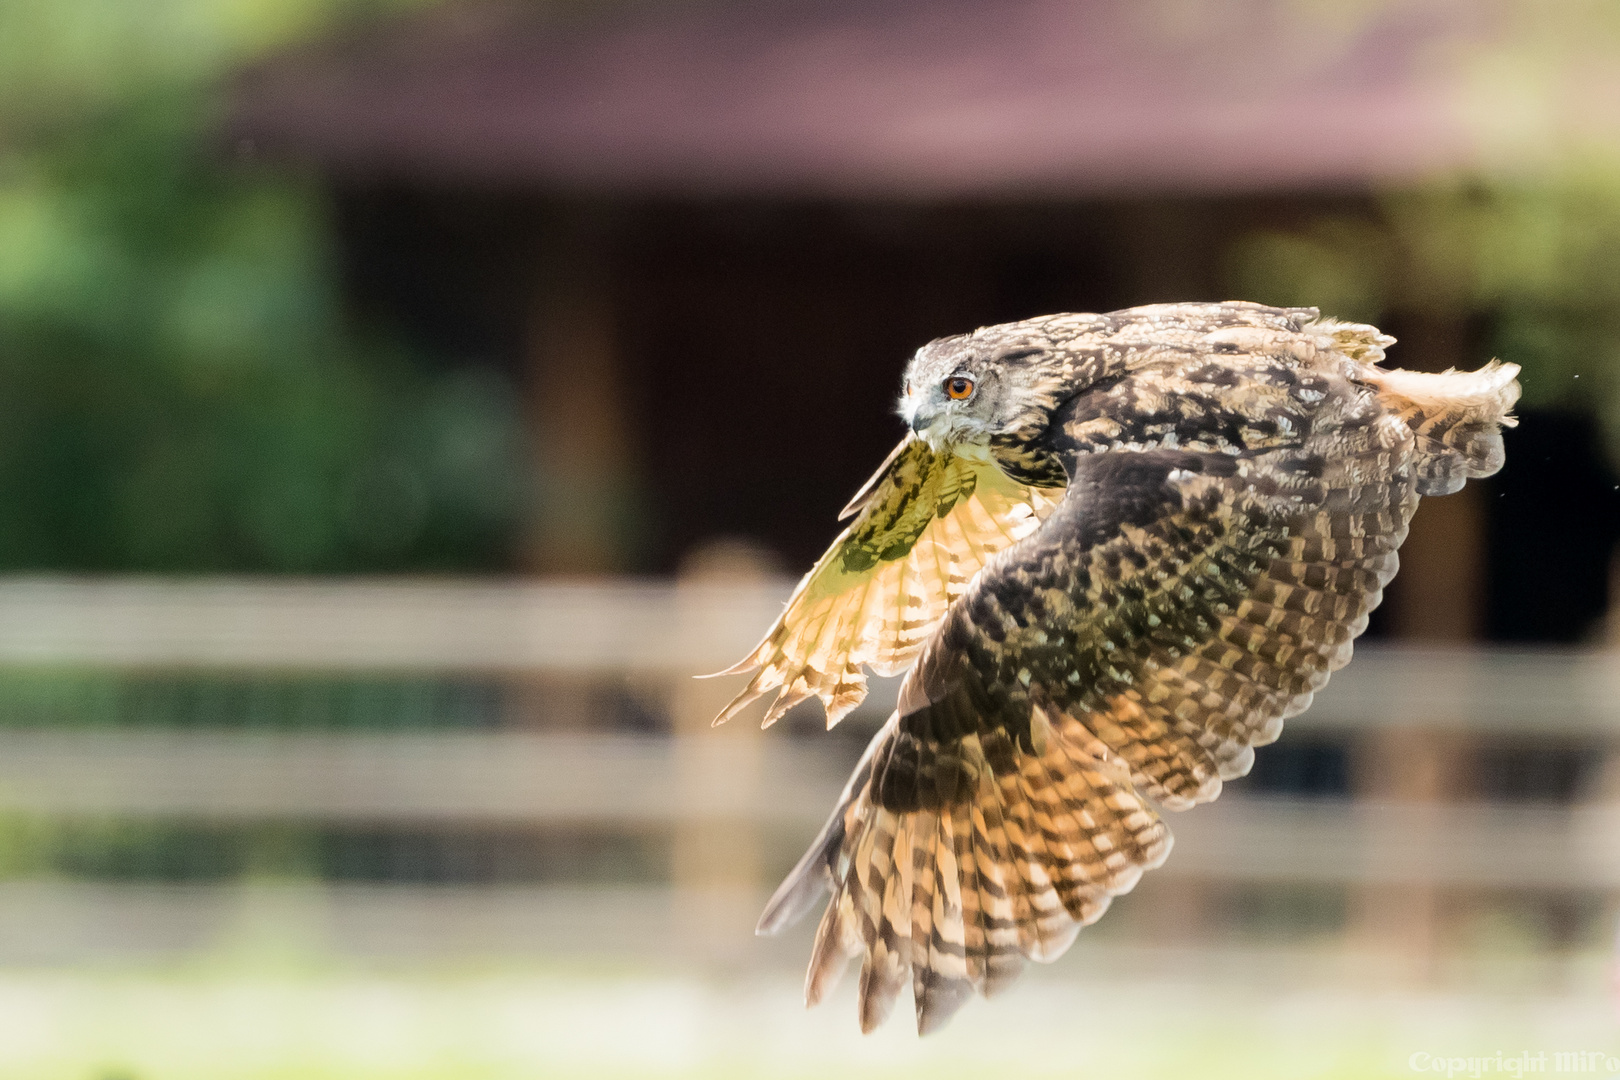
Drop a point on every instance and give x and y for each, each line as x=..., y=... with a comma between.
x=1116, y=552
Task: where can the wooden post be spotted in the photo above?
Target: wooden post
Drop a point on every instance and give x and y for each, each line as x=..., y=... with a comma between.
x=1437, y=599
x=585, y=508
x=717, y=861
x=1439, y=595
x=583, y=513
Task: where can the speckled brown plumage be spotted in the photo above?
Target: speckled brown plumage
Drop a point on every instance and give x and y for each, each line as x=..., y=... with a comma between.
x=1143, y=543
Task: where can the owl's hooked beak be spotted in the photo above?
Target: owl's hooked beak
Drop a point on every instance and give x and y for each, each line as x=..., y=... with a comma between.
x=921, y=418
x=915, y=410
x=926, y=423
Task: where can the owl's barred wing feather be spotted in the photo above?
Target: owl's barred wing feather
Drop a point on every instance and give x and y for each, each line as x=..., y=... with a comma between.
x=954, y=895
x=1239, y=481
x=924, y=525
x=1169, y=615
x=1166, y=619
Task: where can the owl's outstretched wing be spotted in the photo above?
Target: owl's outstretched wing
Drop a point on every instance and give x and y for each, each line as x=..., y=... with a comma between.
x=1164, y=621
x=924, y=525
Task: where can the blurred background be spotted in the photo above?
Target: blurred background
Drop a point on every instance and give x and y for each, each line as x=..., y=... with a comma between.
x=400, y=400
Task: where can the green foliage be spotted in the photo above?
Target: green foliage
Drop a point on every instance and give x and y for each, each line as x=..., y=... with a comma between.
x=179, y=390
x=1544, y=259
x=123, y=849
x=63, y=60
x=263, y=701
x=1339, y=264
x=1538, y=261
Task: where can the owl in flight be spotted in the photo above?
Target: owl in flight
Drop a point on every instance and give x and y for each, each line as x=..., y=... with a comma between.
x=1115, y=553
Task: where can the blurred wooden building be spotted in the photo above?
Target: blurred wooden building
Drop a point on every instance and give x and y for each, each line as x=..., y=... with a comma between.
x=704, y=236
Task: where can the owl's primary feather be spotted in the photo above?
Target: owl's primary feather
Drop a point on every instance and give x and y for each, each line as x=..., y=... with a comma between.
x=1143, y=542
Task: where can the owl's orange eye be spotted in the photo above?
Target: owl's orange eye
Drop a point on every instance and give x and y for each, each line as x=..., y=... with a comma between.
x=958, y=387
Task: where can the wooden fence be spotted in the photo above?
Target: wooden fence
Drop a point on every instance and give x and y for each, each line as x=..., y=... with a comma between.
x=698, y=779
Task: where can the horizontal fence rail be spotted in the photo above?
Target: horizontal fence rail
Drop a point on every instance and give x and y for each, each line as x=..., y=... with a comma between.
x=494, y=778
x=660, y=629
x=583, y=628
x=660, y=634
x=544, y=780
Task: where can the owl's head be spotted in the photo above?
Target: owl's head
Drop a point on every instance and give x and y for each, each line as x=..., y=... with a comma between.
x=961, y=391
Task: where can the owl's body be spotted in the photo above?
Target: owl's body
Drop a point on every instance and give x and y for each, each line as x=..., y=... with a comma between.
x=1116, y=553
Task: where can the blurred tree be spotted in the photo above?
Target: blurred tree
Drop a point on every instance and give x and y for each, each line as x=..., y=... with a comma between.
x=1534, y=264
x=179, y=389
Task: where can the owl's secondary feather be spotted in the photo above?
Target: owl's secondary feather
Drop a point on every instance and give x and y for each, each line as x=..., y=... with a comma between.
x=1238, y=482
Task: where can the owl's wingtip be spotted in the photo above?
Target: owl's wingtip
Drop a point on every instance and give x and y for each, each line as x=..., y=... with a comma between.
x=737, y=704
x=751, y=662
x=940, y=1000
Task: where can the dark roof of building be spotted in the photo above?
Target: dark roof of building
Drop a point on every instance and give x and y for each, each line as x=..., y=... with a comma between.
x=929, y=98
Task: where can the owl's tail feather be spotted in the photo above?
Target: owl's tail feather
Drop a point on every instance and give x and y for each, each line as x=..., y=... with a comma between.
x=955, y=896
x=1457, y=417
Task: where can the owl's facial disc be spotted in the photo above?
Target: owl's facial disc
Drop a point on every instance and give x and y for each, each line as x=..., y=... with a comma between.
x=950, y=404
x=961, y=391
x=951, y=395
